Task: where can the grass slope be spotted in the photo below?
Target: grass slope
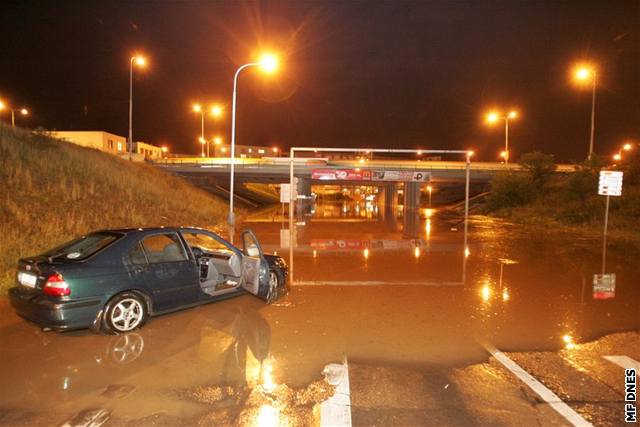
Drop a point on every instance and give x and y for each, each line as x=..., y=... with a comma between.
x=52, y=191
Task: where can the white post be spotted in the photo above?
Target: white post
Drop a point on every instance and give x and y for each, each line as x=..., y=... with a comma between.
x=130, y=108
x=506, y=141
x=593, y=115
x=231, y=218
x=291, y=214
x=604, y=234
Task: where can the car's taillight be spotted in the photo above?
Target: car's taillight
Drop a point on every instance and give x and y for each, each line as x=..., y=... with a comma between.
x=55, y=286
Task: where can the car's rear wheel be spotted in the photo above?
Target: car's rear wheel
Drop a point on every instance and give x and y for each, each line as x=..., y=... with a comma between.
x=125, y=312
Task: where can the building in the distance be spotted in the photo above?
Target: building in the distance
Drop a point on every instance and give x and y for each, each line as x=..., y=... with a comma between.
x=245, y=151
x=110, y=143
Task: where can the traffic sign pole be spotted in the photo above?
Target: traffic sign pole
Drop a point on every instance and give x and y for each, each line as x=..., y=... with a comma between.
x=604, y=238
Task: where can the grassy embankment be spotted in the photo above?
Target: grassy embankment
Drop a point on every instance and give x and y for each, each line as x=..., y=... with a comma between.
x=539, y=199
x=52, y=191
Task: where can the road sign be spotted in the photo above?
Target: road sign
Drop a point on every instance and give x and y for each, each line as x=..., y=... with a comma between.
x=391, y=175
x=604, y=286
x=610, y=183
x=285, y=193
x=341, y=174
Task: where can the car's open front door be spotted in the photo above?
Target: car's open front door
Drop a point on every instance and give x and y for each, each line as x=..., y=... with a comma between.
x=255, y=269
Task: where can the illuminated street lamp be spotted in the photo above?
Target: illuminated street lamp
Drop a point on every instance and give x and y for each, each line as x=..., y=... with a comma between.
x=141, y=62
x=625, y=147
x=586, y=74
x=22, y=111
x=269, y=64
x=492, y=118
x=215, y=111
x=165, y=150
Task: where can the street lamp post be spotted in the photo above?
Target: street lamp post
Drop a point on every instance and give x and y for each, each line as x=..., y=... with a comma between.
x=582, y=74
x=493, y=117
x=139, y=61
x=268, y=63
x=22, y=111
x=216, y=111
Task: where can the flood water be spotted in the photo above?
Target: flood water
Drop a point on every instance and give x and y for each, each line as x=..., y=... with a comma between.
x=367, y=286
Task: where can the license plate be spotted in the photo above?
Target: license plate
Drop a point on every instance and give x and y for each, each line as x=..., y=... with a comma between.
x=27, y=279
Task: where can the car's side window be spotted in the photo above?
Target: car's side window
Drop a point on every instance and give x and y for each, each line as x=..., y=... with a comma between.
x=136, y=255
x=164, y=248
x=204, y=242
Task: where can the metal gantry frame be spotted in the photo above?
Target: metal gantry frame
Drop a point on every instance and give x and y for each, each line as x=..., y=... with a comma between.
x=292, y=191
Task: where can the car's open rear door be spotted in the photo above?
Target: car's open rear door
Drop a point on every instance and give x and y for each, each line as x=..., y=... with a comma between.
x=255, y=269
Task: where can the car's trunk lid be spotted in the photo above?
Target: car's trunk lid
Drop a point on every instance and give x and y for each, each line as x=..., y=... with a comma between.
x=33, y=273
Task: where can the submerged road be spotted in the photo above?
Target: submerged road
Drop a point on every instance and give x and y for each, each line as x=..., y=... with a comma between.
x=514, y=333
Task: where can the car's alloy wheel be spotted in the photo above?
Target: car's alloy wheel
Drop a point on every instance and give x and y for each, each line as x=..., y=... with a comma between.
x=126, y=312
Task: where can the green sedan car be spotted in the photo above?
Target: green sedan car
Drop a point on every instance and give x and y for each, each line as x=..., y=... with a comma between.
x=113, y=280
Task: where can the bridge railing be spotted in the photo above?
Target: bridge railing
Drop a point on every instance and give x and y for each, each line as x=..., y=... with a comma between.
x=325, y=163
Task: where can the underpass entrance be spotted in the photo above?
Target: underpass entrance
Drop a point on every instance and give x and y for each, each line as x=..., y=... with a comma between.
x=367, y=224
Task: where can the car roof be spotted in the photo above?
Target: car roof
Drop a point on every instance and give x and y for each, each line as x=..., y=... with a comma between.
x=146, y=230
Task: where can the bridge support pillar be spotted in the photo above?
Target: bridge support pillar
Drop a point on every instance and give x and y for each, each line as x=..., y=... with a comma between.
x=411, y=212
x=388, y=196
x=412, y=195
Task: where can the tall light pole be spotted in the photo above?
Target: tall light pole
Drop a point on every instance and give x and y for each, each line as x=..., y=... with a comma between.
x=492, y=117
x=22, y=111
x=215, y=111
x=140, y=61
x=268, y=63
x=585, y=74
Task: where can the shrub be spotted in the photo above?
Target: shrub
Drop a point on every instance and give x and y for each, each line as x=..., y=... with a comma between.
x=539, y=166
x=508, y=189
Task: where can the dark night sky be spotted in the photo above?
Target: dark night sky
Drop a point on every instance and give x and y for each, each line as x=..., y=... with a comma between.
x=379, y=73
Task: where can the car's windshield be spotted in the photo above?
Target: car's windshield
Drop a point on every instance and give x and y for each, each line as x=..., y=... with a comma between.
x=83, y=247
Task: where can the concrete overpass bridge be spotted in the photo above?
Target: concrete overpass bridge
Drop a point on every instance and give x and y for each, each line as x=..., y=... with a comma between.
x=213, y=173
x=276, y=169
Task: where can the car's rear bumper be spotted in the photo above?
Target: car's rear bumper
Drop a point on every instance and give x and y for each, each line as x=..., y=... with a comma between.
x=49, y=313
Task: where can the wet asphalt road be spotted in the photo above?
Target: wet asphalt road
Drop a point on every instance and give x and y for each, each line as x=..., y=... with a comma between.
x=401, y=303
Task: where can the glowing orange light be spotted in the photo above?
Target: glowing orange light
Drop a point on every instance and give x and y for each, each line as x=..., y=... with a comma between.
x=217, y=140
x=216, y=111
x=617, y=157
x=584, y=73
x=492, y=117
x=269, y=63
x=139, y=60
x=24, y=111
x=197, y=108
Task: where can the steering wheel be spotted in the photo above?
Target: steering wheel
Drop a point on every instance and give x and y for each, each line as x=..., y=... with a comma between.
x=197, y=252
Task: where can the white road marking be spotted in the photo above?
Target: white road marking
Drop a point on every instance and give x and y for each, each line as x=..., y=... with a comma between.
x=336, y=411
x=624, y=361
x=547, y=395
